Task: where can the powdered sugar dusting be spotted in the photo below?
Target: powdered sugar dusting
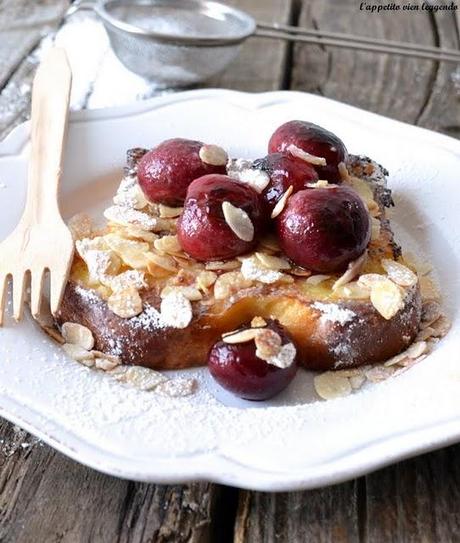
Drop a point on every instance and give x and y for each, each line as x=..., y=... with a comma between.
x=334, y=313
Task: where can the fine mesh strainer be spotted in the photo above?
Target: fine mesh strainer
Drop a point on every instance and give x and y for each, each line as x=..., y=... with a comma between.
x=180, y=43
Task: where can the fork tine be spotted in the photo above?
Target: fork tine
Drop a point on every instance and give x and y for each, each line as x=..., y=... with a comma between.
x=36, y=290
x=3, y=295
x=19, y=283
x=58, y=281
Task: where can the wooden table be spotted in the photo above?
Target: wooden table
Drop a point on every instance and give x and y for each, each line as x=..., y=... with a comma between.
x=47, y=497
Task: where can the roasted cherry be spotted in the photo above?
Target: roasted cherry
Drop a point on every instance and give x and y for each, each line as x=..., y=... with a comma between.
x=323, y=229
x=238, y=369
x=167, y=170
x=284, y=171
x=202, y=228
x=314, y=140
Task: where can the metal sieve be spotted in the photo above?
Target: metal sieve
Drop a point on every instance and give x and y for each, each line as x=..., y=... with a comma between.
x=179, y=43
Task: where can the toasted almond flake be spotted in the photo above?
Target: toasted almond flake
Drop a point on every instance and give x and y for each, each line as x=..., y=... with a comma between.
x=133, y=253
x=375, y=229
x=77, y=353
x=113, y=358
x=223, y=265
x=205, y=279
x=213, y=155
x=190, y=292
x=387, y=298
x=416, y=349
x=78, y=334
x=376, y=374
x=425, y=333
x=143, y=378
x=441, y=326
x=398, y=273
x=125, y=303
x=129, y=194
x=374, y=209
x=176, y=310
x=317, y=279
x=238, y=221
x=303, y=155
x=52, y=333
x=177, y=388
x=321, y=184
x=80, y=226
x=268, y=344
x=343, y=171
x=127, y=279
x=98, y=257
x=132, y=232
x=105, y=364
x=397, y=359
x=330, y=385
x=258, y=322
x=281, y=203
x=126, y=216
x=356, y=381
x=273, y=262
x=353, y=291
x=252, y=269
x=300, y=272
x=431, y=311
x=428, y=289
x=167, y=212
x=168, y=245
x=284, y=358
x=368, y=279
x=229, y=283
x=352, y=271
x=162, y=261
x=240, y=336
x=270, y=243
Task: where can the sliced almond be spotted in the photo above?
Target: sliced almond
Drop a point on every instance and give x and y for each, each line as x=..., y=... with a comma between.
x=330, y=385
x=133, y=253
x=177, y=388
x=377, y=374
x=143, y=378
x=374, y=209
x=127, y=279
x=190, y=292
x=78, y=353
x=281, y=203
x=375, y=229
x=252, y=269
x=303, y=155
x=352, y=271
x=273, y=262
x=241, y=336
x=387, y=298
x=417, y=349
x=168, y=245
x=205, y=279
x=258, y=322
x=428, y=289
x=80, y=226
x=129, y=194
x=167, y=212
x=368, y=279
x=229, y=283
x=105, y=364
x=321, y=184
x=425, y=333
x=317, y=279
x=356, y=381
x=397, y=359
x=213, y=155
x=441, y=326
x=343, y=171
x=78, y=334
x=162, y=261
x=300, y=272
x=132, y=232
x=238, y=221
x=353, y=291
x=223, y=265
x=268, y=344
x=126, y=216
x=431, y=311
x=125, y=303
x=176, y=310
x=270, y=243
x=399, y=274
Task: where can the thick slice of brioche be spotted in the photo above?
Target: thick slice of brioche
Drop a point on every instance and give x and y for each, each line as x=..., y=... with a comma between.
x=332, y=329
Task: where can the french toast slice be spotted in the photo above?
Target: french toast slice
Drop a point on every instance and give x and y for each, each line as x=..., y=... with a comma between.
x=337, y=321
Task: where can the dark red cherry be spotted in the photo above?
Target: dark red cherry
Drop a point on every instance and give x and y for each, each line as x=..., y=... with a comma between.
x=237, y=368
x=284, y=171
x=167, y=170
x=202, y=229
x=323, y=229
x=314, y=140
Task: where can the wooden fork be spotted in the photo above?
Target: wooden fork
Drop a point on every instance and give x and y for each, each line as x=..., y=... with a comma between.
x=41, y=241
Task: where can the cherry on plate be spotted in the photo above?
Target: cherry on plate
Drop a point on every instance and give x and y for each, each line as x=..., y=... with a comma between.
x=204, y=232
x=167, y=170
x=323, y=229
x=238, y=369
x=284, y=171
x=315, y=140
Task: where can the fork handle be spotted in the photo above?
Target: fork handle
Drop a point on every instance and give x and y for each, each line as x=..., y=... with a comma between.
x=50, y=111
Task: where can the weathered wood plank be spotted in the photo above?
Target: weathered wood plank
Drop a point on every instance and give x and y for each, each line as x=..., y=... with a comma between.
x=323, y=515
x=394, y=86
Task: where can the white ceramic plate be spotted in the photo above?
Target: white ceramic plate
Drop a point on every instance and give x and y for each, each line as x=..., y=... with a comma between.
x=295, y=441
